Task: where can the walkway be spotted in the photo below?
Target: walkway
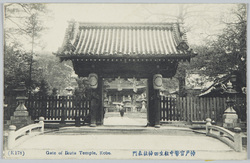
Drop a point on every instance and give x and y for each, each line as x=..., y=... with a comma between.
x=130, y=118
x=129, y=141
x=124, y=146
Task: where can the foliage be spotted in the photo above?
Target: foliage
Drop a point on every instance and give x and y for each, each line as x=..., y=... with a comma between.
x=22, y=28
x=225, y=53
x=83, y=87
x=22, y=22
x=16, y=70
x=44, y=88
x=54, y=92
x=58, y=74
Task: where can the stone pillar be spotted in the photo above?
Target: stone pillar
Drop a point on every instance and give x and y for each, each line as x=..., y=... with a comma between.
x=11, y=137
x=237, y=139
x=208, y=123
x=41, y=122
x=21, y=116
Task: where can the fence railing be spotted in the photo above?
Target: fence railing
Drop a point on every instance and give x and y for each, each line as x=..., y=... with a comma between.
x=233, y=140
x=58, y=108
x=193, y=109
x=190, y=109
x=15, y=137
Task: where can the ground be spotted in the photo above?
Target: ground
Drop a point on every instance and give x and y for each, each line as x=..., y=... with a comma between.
x=119, y=138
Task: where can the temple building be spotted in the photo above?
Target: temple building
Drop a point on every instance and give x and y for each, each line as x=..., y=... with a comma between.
x=130, y=93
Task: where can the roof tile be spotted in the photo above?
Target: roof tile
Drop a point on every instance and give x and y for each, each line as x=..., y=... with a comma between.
x=122, y=39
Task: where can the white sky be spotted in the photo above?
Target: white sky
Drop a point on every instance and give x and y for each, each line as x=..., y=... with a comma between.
x=203, y=19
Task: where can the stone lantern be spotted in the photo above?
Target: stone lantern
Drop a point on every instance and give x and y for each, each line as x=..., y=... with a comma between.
x=21, y=110
x=143, y=106
x=230, y=118
x=21, y=116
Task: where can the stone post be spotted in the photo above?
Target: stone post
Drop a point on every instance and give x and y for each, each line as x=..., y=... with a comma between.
x=208, y=123
x=237, y=139
x=41, y=122
x=11, y=136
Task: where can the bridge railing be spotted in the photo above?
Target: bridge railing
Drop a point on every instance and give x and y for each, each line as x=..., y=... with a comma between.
x=15, y=136
x=232, y=139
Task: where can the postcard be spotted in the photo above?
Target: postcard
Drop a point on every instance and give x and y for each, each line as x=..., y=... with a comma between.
x=125, y=81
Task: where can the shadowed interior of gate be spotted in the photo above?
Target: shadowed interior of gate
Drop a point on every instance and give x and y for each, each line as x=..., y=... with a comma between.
x=125, y=102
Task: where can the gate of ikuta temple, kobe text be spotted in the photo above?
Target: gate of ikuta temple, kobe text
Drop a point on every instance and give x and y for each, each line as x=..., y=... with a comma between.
x=58, y=108
x=191, y=109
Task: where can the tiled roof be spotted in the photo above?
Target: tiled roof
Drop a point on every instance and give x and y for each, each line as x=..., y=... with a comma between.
x=86, y=39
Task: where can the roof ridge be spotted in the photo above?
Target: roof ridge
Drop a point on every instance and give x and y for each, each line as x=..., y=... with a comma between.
x=123, y=23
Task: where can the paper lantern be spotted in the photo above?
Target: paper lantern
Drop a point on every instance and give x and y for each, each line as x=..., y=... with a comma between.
x=93, y=80
x=157, y=81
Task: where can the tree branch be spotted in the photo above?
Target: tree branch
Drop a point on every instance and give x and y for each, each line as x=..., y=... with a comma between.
x=17, y=25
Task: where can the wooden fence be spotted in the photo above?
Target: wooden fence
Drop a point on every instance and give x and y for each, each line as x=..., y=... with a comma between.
x=192, y=109
x=189, y=109
x=58, y=108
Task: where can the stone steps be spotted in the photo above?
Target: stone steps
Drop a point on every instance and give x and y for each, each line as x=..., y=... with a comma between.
x=137, y=130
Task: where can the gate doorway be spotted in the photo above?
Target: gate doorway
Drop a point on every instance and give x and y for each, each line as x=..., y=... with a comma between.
x=125, y=102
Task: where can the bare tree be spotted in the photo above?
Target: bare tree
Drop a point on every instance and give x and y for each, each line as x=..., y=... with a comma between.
x=23, y=23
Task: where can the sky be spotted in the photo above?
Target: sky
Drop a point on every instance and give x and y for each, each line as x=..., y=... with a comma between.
x=202, y=21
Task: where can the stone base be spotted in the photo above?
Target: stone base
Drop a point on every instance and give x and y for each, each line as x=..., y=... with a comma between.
x=20, y=121
x=230, y=116
x=230, y=120
x=230, y=125
x=21, y=113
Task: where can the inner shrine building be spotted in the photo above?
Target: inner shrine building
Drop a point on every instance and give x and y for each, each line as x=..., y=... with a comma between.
x=127, y=50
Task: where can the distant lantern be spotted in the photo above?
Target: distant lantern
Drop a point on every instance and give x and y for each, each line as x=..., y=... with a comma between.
x=157, y=79
x=93, y=80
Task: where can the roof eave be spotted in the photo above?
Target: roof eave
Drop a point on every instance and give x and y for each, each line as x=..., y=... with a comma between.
x=172, y=56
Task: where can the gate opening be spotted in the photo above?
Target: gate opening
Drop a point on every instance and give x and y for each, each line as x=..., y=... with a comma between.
x=125, y=102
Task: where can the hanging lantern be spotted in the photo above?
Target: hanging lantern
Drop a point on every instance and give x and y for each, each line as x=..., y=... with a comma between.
x=157, y=80
x=93, y=80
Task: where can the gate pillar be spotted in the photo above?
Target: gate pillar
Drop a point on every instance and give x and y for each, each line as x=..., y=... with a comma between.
x=96, y=112
x=151, y=112
x=93, y=83
x=154, y=84
x=157, y=109
x=93, y=109
x=100, y=108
